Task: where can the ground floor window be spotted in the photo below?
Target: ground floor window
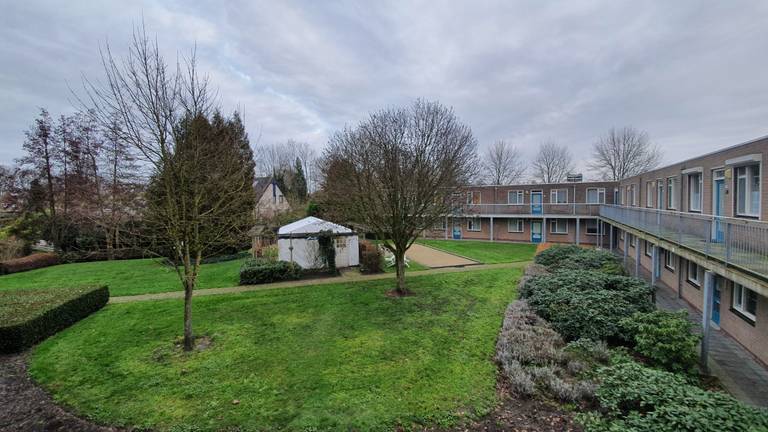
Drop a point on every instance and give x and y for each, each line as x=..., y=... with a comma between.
x=695, y=275
x=621, y=235
x=515, y=225
x=648, y=248
x=440, y=224
x=745, y=301
x=632, y=240
x=593, y=227
x=669, y=260
x=558, y=226
x=341, y=242
x=474, y=224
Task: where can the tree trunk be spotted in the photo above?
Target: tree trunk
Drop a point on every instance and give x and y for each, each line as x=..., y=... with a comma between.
x=400, y=264
x=189, y=285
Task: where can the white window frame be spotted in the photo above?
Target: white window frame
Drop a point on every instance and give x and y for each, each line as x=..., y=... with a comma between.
x=647, y=248
x=340, y=242
x=471, y=224
x=443, y=225
x=669, y=260
x=519, y=225
x=553, y=193
x=632, y=240
x=747, y=176
x=600, y=192
x=555, y=223
x=633, y=195
x=471, y=198
x=671, y=193
x=598, y=227
x=696, y=280
x=649, y=194
x=695, y=207
x=660, y=194
x=739, y=301
x=519, y=194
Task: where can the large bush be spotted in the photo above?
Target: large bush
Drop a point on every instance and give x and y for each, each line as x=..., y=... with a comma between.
x=555, y=254
x=587, y=304
x=28, y=316
x=261, y=270
x=633, y=397
x=30, y=262
x=665, y=339
x=590, y=259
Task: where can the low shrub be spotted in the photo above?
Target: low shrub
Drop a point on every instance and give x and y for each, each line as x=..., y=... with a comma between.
x=633, y=397
x=261, y=270
x=590, y=259
x=30, y=262
x=31, y=315
x=370, y=258
x=587, y=304
x=665, y=339
x=555, y=254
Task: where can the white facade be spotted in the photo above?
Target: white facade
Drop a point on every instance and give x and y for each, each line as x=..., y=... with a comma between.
x=297, y=242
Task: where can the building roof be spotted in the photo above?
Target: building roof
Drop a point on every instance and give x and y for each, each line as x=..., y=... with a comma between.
x=260, y=184
x=312, y=225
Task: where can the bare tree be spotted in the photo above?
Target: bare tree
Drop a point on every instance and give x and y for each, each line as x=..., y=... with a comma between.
x=624, y=153
x=398, y=172
x=503, y=163
x=278, y=159
x=199, y=183
x=552, y=163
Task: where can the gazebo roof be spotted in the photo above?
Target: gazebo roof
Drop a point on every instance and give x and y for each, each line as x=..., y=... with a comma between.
x=312, y=225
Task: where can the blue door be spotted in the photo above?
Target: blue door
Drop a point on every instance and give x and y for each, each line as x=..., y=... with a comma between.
x=536, y=200
x=535, y=231
x=457, y=232
x=718, y=209
x=716, y=300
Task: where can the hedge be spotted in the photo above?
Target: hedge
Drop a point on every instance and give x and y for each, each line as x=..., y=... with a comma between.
x=29, y=262
x=30, y=315
x=555, y=254
x=261, y=270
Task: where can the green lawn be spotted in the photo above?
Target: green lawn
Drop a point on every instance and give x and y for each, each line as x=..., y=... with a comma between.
x=124, y=277
x=328, y=357
x=412, y=266
x=484, y=251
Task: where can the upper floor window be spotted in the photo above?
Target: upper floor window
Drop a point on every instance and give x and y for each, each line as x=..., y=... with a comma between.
x=649, y=194
x=515, y=197
x=474, y=224
x=660, y=194
x=515, y=225
x=558, y=196
x=632, y=196
x=748, y=190
x=595, y=195
x=473, y=197
x=648, y=248
x=745, y=301
x=671, y=193
x=694, y=192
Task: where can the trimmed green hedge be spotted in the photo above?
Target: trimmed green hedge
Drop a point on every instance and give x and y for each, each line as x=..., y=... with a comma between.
x=31, y=315
x=555, y=254
x=260, y=270
x=572, y=257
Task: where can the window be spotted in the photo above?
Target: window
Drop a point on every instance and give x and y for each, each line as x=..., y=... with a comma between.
x=515, y=197
x=745, y=301
x=515, y=225
x=669, y=260
x=341, y=242
x=632, y=240
x=280, y=199
x=593, y=227
x=474, y=224
x=621, y=235
x=748, y=190
x=694, y=192
x=440, y=224
x=649, y=194
x=660, y=194
x=671, y=193
x=558, y=196
x=595, y=195
x=559, y=226
x=473, y=197
x=648, y=248
x=694, y=273
x=632, y=197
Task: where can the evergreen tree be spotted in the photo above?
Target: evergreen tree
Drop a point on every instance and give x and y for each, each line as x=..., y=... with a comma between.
x=299, y=186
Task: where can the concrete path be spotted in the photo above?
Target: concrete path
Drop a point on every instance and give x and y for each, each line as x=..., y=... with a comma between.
x=434, y=258
x=350, y=276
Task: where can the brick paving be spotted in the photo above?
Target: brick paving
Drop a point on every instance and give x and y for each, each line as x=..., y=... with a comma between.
x=434, y=258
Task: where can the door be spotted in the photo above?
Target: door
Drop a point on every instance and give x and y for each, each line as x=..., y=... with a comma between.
x=457, y=232
x=718, y=206
x=716, y=300
x=536, y=202
x=535, y=231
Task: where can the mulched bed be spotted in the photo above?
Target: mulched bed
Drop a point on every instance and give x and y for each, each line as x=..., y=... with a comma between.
x=24, y=406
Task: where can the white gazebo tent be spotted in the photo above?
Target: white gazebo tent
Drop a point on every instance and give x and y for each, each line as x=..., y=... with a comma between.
x=297, y=242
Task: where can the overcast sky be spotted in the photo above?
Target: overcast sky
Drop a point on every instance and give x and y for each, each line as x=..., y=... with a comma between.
x=693, y=74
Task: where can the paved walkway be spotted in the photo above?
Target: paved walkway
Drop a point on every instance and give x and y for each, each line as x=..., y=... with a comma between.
x=435, y=258
x=350, y=276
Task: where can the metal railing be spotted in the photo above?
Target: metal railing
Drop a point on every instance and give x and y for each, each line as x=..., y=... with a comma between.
x=736, y=242
x=573, y=209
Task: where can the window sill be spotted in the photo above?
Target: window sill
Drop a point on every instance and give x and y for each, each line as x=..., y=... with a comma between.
x=558, y=233
x=748, y=320
x=747, y=216
x=672, y=269
x=515, y=232
x=694, y=284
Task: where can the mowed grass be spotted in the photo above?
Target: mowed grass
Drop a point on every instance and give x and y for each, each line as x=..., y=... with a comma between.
x=327, y=357
x=484, y=251
x=123, y=277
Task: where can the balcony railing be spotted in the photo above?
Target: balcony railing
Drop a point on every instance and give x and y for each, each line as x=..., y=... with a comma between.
x=736, y=242
x=572, y=209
